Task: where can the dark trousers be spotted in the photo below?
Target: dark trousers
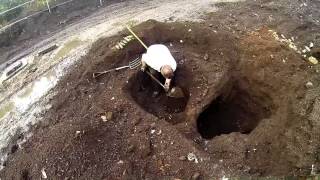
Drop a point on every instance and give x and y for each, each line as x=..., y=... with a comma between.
x=146, y=82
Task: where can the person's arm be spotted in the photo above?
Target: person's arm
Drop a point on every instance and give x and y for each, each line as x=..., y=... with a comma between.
x=167, y=84
x=143, y=63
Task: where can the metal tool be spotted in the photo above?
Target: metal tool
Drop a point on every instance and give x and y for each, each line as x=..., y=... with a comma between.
x=175, y=92
x=132, y=65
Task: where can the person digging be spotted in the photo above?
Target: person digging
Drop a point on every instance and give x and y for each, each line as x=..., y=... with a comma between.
x=159, y=61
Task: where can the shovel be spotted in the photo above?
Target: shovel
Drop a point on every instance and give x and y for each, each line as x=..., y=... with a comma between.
x=175, y=92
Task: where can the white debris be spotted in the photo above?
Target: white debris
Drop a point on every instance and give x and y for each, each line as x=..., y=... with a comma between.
x=44, y=174
x=181, y=41
x=313, y=60
x=313, y=171
x=311, y=45
x=224, y=178
x=153, y=131
x=78, y=132
x=120, y=162
x=192, y=157
x=112, y=98
x=171, y=44
x=104, y=118
x=309, y=84
x=189, y=30
x=159, y=132
x=307, y=48
x=272, y=56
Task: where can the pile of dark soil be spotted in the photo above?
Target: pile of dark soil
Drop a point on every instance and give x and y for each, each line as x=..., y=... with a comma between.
x=247, y=112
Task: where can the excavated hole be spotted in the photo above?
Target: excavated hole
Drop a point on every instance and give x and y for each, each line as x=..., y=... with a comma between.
x=235, y=111
x=142, y=89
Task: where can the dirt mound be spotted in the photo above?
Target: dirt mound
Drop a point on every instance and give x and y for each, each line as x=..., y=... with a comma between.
x=241, y=115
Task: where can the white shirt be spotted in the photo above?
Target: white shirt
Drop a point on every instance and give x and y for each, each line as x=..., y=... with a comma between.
x=157, y=56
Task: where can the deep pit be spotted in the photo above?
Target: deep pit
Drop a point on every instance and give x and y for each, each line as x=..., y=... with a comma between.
x=236, y=110
x=152, y=98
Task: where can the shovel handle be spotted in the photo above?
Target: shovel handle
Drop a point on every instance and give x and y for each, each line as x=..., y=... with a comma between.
x=144, y=45
x=155, y=79
x=97, y=74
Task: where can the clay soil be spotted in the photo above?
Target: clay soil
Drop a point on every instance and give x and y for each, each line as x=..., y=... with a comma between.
x=246, y=112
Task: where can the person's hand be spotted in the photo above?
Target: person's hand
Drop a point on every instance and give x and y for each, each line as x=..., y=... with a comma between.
x=167, y=85
x=166, y=88
x=143, y=65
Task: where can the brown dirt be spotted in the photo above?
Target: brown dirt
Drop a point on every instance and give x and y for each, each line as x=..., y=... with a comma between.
x=247, y=112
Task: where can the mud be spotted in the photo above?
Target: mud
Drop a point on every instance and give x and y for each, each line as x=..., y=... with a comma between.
x=245, y=109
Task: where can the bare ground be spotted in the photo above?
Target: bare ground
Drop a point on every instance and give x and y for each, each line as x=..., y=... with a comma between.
x=247, y=113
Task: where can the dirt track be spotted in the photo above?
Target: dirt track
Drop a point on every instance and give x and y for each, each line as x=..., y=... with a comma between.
x=250, y=86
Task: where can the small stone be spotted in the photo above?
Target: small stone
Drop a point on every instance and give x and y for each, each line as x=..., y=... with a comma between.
x=78, y=132
x=33, y=70
x=309, y=85
x=182, y=158
x=44, y=174
x=120, y=162
x=196, y=176
x=254, y=150
x=191, y=157
x=311, y=45
x=131, y=148
x=206, y=57
x=189, y=30
x=153, y=125
x=205, y=92
x=104, y=118
x=109, y=115
x=307, y=48
x=210, y=25
x=137, y=121
x=159, y=133
x=313, y=60
x=155, y=94
x=181, y=41
x=152, y=131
